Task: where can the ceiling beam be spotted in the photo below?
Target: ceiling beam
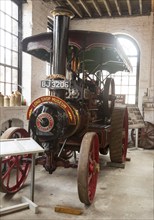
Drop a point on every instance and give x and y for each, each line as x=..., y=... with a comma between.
x=75, y=7
x=96, y=6
x=84, y=5
x=129, y=7
x=140, y=5
x=57, y=3
x=118, y=7
x=107, y=7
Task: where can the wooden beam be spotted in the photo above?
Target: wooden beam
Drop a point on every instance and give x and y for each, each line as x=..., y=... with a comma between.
x=107, y=7
x=118, y=7
x=140, y=6
x=68, y=210
x=84, y=5
x=129, y=7
x=75, y=7
x=96, y=6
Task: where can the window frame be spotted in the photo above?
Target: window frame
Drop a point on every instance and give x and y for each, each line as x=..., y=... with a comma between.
x=127, y=37
x=19, y=51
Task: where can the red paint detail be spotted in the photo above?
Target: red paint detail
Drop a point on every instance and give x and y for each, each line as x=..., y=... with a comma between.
x=53, y=99
x=93, y=173
x=50, y=122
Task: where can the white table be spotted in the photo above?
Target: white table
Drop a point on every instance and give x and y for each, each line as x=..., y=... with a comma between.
x=21, y=146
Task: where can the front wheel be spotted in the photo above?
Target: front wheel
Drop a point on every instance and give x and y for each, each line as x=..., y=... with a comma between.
x=88, y=167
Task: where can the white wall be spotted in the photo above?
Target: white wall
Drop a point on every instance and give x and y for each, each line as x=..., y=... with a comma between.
x=26, y=59
x=34, y=70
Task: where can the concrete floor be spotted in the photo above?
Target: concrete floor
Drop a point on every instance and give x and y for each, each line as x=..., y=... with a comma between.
x=122, y=194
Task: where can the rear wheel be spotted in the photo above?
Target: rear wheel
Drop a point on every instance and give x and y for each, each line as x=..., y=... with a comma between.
x=88, y=168
x=14, y=169
x=119, y=135
x=145, y=136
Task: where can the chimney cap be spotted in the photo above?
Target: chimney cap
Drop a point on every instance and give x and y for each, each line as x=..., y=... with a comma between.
x=62, y=11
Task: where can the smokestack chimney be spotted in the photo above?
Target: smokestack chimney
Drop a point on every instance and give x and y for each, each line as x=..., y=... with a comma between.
x=61, y=17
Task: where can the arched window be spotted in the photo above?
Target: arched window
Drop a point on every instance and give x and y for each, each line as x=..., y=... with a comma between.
x=127, y=83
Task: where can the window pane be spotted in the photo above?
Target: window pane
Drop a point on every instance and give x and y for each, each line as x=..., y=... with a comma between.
x=132, y=89
x=133, y=61
x=2, y=54
x=2, y=88
x=14, y=59
x=8, y=89
x=14, y=76
x=8, y=6
x=14, y=88
x=126, y=99
x=15, y=43
x=8, y=23
x=15, y=27
x=132, y=81
x=8, y=40
x=8, y=57
x=117, y=80
x=124, y=80
x=2, y=38
x=131, y=99
x=2, y=74
x=117, y=90
x=124, y=90
x=2, y=20
x=8, y=75
x=2, y=5
x=14, y=11
x=134, y=70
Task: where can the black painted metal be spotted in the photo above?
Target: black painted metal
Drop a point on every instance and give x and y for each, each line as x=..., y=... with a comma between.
x=60, y=42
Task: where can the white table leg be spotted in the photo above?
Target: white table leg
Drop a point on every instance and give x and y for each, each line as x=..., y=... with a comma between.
x=32, y=178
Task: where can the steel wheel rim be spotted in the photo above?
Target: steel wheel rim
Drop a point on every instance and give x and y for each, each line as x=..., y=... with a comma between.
x=119, y=135
x=14, y=169
x=88, y=168
x=93, y=172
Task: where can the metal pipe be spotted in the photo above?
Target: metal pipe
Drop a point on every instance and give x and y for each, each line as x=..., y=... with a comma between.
x=60, y=39
x=61, y=18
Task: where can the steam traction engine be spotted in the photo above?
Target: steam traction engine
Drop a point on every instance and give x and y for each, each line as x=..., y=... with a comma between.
x=78, y=115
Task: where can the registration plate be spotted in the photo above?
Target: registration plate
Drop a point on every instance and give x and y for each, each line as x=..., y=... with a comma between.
x=55, y=84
